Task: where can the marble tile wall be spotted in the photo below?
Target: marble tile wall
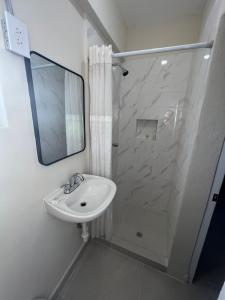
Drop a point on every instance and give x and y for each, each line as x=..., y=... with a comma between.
x=155, y=89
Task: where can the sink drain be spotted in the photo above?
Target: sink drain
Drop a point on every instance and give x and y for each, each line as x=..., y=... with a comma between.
x=139, y=234
x=83, y=204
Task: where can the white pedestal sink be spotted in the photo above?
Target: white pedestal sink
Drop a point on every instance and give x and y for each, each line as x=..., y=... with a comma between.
x=86, y=203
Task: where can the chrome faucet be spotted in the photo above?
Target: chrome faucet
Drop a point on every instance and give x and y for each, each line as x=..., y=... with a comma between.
x=75, y=181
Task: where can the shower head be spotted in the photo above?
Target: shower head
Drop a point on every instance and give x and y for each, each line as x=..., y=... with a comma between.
x=125, y=72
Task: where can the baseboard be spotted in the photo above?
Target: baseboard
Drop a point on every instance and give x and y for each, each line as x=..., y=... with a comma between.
x=55, y=293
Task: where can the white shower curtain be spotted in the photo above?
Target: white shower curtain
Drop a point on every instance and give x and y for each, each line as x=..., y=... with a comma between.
x=100, y=78
x=74, y=113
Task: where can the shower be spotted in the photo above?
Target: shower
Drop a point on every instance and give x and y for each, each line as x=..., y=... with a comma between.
x=125, y=72
x=147, y=127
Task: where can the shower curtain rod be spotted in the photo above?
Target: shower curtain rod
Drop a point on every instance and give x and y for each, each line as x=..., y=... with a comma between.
x=164, y=49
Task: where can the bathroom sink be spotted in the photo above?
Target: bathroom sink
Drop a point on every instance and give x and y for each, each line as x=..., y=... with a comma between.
x=87, y=202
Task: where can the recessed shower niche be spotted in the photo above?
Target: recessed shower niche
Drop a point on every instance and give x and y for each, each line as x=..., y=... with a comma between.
x=146, y=129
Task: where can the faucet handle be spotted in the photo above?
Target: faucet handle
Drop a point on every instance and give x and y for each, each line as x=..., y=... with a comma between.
x=81, y=177
x=66, y=188
x=78, y=175
x=76, y=179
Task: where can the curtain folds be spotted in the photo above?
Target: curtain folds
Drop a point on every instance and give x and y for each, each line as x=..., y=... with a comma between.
x=100, y=79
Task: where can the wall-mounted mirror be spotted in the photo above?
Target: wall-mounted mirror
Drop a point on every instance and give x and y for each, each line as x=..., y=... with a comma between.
x=57, y=102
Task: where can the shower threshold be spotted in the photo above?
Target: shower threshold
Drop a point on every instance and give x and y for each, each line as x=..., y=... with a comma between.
x=133, y=255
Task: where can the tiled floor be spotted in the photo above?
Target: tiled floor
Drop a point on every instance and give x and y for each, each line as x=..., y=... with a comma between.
x=105, y=274
x=152, y=225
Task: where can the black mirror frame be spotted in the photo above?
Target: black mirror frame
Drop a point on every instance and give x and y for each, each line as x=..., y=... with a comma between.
x=34, y=109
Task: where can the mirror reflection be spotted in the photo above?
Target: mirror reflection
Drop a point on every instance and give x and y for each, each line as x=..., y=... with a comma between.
x=57, y=99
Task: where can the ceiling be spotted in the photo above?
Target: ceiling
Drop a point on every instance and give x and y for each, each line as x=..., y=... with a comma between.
x=139, y=13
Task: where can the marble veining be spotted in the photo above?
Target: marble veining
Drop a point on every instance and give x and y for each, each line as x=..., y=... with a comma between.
x=151, y=91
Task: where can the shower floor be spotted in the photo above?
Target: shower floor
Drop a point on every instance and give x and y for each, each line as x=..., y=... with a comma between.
x=143, y=232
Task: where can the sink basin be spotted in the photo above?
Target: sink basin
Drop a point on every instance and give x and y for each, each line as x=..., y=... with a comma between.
x=87, y=202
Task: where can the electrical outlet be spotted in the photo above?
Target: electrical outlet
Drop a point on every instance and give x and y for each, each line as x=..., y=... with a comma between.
x=15, y=35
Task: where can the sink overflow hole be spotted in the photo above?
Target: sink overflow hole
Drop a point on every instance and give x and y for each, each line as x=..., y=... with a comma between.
x=83, y=204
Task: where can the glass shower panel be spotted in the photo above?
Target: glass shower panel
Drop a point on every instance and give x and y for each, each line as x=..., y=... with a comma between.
x=150, y=114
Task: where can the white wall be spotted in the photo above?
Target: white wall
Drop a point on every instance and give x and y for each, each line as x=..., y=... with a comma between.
x=211, y=18
x=93, y=37
x=35, y=248
x=206, y=143
x=112, y=20
x=106, y=18
x=180, y=31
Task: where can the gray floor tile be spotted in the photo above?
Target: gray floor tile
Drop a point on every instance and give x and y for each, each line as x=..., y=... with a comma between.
x=158, y=286
x=104, y=275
